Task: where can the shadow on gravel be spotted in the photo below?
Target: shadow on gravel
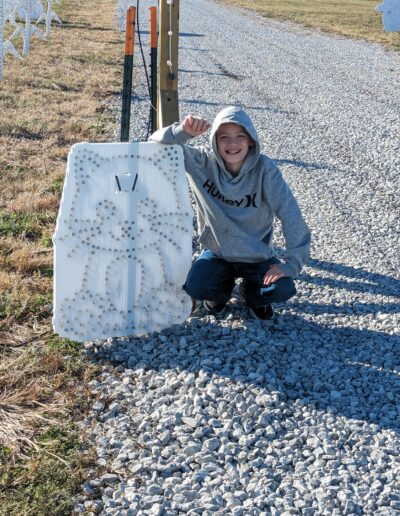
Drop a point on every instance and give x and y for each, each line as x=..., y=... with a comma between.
x=221, y=105
x=204, y=72
x=333, y=367
x=349, y=278
x=193, y=49
x=82, y=25
x=181, y=34
x=304, y=165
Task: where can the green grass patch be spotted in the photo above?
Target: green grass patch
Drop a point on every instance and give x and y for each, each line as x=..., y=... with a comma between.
x=18, y=308
x=4, y=453
x=47, y=271
x=64, y=439
x=9, y=306
x=46, y=241
x=66, y=346
x=43, y=484
x=25, y=225
x=40, y=303
x=56, y=186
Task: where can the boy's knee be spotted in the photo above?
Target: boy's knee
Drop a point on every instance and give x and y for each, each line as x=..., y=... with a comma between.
x=285, y=288
x=209, y=280
x=194, y=287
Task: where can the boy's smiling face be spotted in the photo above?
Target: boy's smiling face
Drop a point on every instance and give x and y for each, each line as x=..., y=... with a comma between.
x=233, y=143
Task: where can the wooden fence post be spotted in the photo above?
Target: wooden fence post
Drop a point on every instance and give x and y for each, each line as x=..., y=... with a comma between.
x=168, y=109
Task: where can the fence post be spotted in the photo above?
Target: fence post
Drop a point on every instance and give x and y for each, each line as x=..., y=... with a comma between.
x=168, y=110
x=128, y=68
x=153, y=67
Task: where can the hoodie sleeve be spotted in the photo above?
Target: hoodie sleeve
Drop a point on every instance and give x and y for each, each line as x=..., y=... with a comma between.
x=175, y=134
x=295, y=231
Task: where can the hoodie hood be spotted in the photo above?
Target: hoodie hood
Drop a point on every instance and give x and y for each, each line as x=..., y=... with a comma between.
x=236, y=115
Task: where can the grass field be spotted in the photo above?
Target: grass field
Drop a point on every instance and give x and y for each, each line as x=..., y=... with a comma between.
x=352, y=18
x=56, y=98
x=60, y=96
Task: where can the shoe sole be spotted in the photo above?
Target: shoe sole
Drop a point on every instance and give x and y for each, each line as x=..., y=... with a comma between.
x=213, y=312
x=253, y=315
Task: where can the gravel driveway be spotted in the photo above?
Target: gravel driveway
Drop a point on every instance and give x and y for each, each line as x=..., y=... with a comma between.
x=300, y=415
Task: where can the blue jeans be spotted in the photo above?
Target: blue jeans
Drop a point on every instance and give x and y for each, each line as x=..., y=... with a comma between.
x=211, y=278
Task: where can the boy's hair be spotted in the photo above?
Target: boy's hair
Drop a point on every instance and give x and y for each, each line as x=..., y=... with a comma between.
x=252, y=142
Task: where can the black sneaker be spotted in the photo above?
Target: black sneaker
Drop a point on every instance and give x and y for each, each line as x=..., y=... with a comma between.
x=264, y=313
x=214, y=308
x=242, y=291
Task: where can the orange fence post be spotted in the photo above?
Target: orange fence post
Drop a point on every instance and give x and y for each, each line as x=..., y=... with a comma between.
x=128, y=68
x=153, y=67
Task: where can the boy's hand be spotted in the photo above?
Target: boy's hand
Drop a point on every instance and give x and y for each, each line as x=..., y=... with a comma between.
x=274, y=273
x=195, y=126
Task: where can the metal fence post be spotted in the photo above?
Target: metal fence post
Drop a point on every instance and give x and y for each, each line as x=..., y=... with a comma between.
x=153, y=67
x=128, y=68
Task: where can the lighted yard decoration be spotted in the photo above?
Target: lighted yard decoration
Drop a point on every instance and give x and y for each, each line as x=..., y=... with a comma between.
x=23, y=16
x=123, y=241
x=6, y=46
x=35, y=8
x=391, y=15
x=28, y=10
x=49, y=16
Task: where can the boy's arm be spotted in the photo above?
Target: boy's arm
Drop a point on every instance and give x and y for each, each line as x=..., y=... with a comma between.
x=180, y=133
x=295, y=231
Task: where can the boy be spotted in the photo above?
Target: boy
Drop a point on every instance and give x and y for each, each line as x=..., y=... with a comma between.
x=238, y=192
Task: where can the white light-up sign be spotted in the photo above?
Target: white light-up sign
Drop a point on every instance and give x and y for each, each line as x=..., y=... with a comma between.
x=123, y=241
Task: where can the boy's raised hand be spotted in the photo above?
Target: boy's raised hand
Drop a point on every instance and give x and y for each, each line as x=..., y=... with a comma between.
x=195, y=126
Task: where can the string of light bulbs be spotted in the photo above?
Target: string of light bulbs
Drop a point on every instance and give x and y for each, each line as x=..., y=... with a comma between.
x=170, y=34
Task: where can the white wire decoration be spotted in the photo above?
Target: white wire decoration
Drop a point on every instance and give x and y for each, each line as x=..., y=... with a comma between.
x=390, y=10
x=6, y=15
x=28, y=11
x=123, y=241
x=23, y=16
x=49, y=16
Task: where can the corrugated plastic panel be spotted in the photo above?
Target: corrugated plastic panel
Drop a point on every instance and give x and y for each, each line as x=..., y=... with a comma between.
x=123, y=241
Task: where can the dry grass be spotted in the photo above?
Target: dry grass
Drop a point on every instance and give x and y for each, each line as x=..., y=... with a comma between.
x=32, y=390
x=42, y=393
x=353, y=18
x=21, y=408
x=56, y=98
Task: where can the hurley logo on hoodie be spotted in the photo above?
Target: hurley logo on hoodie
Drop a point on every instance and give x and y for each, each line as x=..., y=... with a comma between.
x=246, y=202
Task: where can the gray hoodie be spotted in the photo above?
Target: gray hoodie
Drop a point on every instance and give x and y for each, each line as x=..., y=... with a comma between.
x=235, y=214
